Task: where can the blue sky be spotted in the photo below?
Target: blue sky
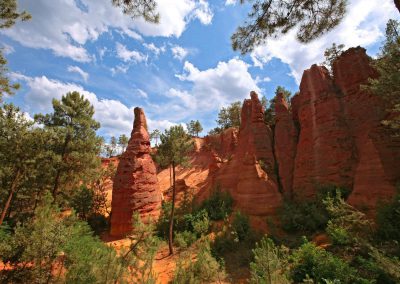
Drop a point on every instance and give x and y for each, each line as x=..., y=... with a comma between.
x=181, y=69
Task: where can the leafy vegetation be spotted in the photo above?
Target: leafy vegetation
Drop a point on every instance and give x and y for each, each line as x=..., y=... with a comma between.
x=228, y=117
x=218, y=205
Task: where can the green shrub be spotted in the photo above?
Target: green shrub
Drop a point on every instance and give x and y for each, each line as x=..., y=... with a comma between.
x=82, y=202
x=206, y=269
x=304, y=217
x=218, y=205
x=388, y=220
x=308, y=216
x=319, y=265
x=98, y=223
x=270, y=263
x=186, y=225
x=241, y=226
x=184, y=239
x=338, y=235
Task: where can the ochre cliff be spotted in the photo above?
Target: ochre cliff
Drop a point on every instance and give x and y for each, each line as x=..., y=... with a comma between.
x=135, y=187
x=329, y=133
x=341, y=138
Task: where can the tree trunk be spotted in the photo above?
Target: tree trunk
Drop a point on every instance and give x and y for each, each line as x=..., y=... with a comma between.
x=10, y=196
x=397, y=4
x=171, y=219
x=58, y=175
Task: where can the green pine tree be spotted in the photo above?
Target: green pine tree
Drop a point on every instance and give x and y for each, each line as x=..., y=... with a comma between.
x=174, y=149
x=75, y=146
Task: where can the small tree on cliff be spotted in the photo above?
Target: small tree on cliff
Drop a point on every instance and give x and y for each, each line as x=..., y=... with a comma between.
x=331, y=54
x=388, y=83
x=269, y=114
x=75, y=146
x=123, y=142
x=194, y=127
x=173, y=150
x=155, y=134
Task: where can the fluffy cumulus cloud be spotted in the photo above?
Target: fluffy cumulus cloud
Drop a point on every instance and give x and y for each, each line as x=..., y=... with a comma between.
x=63, y=27
x=362, y=25
x=129, y=55
x=78, y=70
x=115, y=117
x=179, y=52
x=210, y=89
x=227, y=82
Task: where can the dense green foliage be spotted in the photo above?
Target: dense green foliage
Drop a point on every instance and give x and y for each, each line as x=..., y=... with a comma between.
x=269, y=113
x=308, y=216
x=218, y=205
x=194, y=127
x=270, y=264
x=318, y=264
x=388, y=220
x=205, y=269
x=387, y=85
x=75, y=146
x=228, y=117
x=49, y=242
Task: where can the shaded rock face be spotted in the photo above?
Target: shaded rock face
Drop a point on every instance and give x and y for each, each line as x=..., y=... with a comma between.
x=135, y=187
x=285, y=143
x=249, y=173
x=341, y=140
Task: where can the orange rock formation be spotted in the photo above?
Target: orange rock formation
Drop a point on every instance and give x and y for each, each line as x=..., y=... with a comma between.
x=135, y=186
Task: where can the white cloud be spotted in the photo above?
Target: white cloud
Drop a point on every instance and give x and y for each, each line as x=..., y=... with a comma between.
x=115, y=117
x=7, y=49
x=179, y=52
x=362, y=25
x=230, y=2
x=102, y=52
x=119, y=69
x=78, y=70
x=142, y=94
x=227, y=82
x=266, y=79
x=61, y=26
x=203, y=12
x=156, y=50
x=129, y=55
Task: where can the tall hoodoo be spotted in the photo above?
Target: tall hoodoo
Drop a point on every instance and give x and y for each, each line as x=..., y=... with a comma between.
x=285, y=143
x=135, y=186
x=250, y=176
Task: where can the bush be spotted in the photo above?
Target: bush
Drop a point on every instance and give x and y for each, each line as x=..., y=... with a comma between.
x=308, y=216
x=319, y=265
x=304, y=217
x=270, y=263
x=338, y=235
x=388, y=217
x=205, y=269
x=241, y=226
x=218, y=205
x=82, y=202
x=187, y=227
x=98, y=223
x=184, y=239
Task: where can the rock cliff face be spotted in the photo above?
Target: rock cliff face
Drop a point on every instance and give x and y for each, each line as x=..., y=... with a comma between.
x=341, y=139
x=285, y=142
x=135, y=187
x=248, y=174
